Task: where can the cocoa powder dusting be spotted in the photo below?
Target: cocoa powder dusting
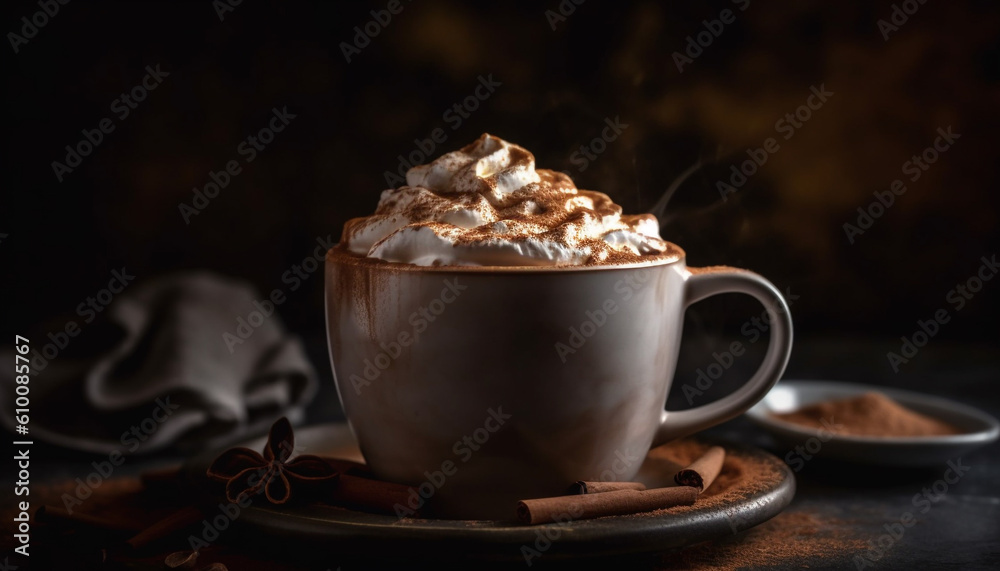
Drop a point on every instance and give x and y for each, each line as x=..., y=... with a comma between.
x=871, y=414
x=741, y=476
x=790, y=537
x=358, y=287
x=490, y=195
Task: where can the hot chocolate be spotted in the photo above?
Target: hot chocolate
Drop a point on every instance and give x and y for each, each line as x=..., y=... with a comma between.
x=455, y=300
x=487, y=205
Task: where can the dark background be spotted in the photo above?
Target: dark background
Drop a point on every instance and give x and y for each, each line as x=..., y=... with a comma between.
x=606, y=60
x=851, y=303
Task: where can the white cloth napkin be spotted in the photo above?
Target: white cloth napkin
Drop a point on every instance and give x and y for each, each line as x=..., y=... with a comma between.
x=160, y=372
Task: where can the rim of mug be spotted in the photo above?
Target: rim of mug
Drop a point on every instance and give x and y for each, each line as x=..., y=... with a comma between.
x=340, y=254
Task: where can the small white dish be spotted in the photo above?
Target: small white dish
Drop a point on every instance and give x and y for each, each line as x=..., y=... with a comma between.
x=978, y=428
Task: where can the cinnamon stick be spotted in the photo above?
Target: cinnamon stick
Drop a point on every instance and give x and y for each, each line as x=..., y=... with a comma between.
x=369, y=495
x=584, y=487
x=167, y=526
x=618, y=502
x=702, y=472
x=161, y=477
x=55, y=515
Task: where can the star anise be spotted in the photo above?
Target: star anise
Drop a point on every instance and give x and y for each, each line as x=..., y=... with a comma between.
x=246, y=472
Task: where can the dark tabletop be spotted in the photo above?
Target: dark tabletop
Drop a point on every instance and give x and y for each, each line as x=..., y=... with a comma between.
x=961, y=530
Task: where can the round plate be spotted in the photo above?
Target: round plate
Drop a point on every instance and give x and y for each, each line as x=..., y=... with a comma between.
x=346, y=532
x=979, y=428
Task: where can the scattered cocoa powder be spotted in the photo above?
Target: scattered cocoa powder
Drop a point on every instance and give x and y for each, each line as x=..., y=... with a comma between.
x=792, y=536
x=797, y=536
x=742, y=475
x=870, y=414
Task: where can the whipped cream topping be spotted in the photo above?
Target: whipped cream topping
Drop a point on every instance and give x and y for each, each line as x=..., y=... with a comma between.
x=487, y=205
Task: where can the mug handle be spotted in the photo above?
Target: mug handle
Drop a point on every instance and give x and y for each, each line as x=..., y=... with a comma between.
x=700, y=283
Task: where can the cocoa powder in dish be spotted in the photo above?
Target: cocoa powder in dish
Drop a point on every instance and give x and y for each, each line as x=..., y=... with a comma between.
x=870, y=414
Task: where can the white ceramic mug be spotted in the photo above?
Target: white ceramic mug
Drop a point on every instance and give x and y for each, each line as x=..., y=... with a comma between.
x=482, y=386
